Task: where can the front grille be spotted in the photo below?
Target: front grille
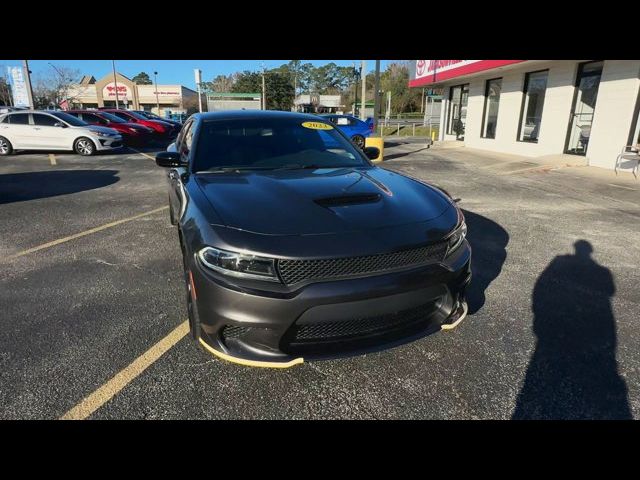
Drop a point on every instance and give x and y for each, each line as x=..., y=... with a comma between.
x=296, y=271
x=233, y=331
x=363, y=327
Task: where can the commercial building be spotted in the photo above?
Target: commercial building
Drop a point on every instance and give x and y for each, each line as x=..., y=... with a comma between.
x=92, y=93
x=234, y=101
x=538, y=107
x=318, y=104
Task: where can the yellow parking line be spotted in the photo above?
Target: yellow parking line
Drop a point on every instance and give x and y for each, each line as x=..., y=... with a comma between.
x=82, y=234
x=125, y=376
x=143, y=154
x=52, y=159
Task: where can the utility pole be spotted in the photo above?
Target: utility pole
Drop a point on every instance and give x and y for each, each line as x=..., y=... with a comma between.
x=198, y=74
x=387, y=114
x=115, y=83
x=27, y=76
x=364, y=89
x=264, y=90
x=355, y=87
x=66, y=95
x=376, y=96
x=155, y=75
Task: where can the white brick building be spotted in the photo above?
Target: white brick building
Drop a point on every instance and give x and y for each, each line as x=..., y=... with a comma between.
x=538, y=107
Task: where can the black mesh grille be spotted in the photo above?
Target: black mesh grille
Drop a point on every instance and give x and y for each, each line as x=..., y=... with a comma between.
x=232, y=331
x=295, y=271
x=359, y=327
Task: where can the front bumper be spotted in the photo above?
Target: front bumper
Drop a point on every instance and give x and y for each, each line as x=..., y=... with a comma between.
x=331, y=318
x=108, y=143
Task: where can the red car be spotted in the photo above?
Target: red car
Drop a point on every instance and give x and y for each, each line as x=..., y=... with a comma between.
x=132, y=134
x=162, y=129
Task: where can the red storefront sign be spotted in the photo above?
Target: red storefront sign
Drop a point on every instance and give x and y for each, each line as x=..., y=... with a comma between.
x=434, y=71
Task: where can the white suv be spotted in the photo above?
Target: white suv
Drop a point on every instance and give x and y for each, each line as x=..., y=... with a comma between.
x=53, y=130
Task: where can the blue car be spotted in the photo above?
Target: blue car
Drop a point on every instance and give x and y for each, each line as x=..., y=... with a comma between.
x=354, y=128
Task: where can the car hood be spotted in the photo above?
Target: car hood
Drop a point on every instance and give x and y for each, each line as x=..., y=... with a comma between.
x=321, y=201
x=97, y=128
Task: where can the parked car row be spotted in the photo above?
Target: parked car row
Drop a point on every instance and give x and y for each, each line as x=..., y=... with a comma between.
x=83, y=131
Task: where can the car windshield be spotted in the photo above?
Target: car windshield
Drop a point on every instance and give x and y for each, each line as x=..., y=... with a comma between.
x=273, y=143
x=149, y=115
x=112, y=118
x=70, y=119
x=137, y=115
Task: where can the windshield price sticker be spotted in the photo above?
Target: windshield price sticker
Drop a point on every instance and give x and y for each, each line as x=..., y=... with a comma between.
x=317, y=126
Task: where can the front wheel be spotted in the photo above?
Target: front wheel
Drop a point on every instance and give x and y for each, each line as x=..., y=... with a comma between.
x=84, y=146
x=359, y=141
x=192, y=309
x=5, y=146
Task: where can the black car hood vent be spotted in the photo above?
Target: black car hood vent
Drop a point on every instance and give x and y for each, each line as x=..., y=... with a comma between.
x=347, y=200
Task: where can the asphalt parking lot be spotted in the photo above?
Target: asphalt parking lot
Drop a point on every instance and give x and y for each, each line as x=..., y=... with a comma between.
x=93, y=310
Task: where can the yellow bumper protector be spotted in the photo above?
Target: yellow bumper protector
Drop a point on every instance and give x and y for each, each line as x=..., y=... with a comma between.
x=251, y=363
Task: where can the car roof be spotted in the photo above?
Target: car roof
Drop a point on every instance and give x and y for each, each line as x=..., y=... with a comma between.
x=240, y=114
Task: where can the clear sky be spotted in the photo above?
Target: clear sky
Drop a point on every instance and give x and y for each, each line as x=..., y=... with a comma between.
x=169, y=71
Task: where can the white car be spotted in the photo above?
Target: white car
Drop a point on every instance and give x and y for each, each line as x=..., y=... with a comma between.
x=53, y=130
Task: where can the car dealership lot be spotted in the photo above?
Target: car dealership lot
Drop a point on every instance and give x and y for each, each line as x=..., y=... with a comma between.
x=77, y=313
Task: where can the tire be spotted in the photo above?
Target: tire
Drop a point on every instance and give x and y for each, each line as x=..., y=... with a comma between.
x=359, y=141
x=192, y=308
x=5, y=146
x=84, y=146
x=172, y=214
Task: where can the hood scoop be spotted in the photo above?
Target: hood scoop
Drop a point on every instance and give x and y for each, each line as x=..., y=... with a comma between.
x=345, y=200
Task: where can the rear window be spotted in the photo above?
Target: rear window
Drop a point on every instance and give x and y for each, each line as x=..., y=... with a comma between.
x=19, y=119
x=269, y=143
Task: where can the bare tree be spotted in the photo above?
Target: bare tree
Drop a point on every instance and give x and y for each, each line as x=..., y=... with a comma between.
x=54, y=86
x=5, y=87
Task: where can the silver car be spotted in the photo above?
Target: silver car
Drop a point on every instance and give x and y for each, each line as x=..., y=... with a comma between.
x=53, y=130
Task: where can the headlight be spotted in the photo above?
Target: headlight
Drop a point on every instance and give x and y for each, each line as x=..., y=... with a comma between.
x=456, y=238
x=100, y=134
x=239, y=264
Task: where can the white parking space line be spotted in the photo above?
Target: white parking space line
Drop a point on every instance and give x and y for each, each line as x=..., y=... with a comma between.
x=52, y=159
x=124, y=377
x=143, y=154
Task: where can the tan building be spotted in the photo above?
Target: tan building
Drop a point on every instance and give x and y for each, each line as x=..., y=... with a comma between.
x=92, y=93
x=535, y=108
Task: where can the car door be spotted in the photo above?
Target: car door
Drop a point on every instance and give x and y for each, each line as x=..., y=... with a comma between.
x=48, y=133
x=177, y=192
x=17, y=130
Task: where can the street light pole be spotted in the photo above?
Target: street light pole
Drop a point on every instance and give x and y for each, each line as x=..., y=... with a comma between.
x=66, y=95
x=155, y=76
x=115, y=83
x=264, y=98
x=363, y=76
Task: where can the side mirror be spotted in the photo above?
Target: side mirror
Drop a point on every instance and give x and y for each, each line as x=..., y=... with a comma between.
x=169, y=160
x=60, y=124
x=372, y=152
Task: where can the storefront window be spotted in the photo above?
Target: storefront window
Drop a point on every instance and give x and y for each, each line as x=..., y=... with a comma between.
x=458, y=99
x=491, y=104
x=535, y=86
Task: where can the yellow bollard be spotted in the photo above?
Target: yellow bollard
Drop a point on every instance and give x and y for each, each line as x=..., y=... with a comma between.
x=433, y=136
x=378, y=143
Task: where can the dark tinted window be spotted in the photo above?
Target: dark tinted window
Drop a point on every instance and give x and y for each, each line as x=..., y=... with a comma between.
x=266, y=143
x=121, y=115
x=44, y=120
x=91, y=118
x=70, y=119
x=111, y=117
x=19, y=119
